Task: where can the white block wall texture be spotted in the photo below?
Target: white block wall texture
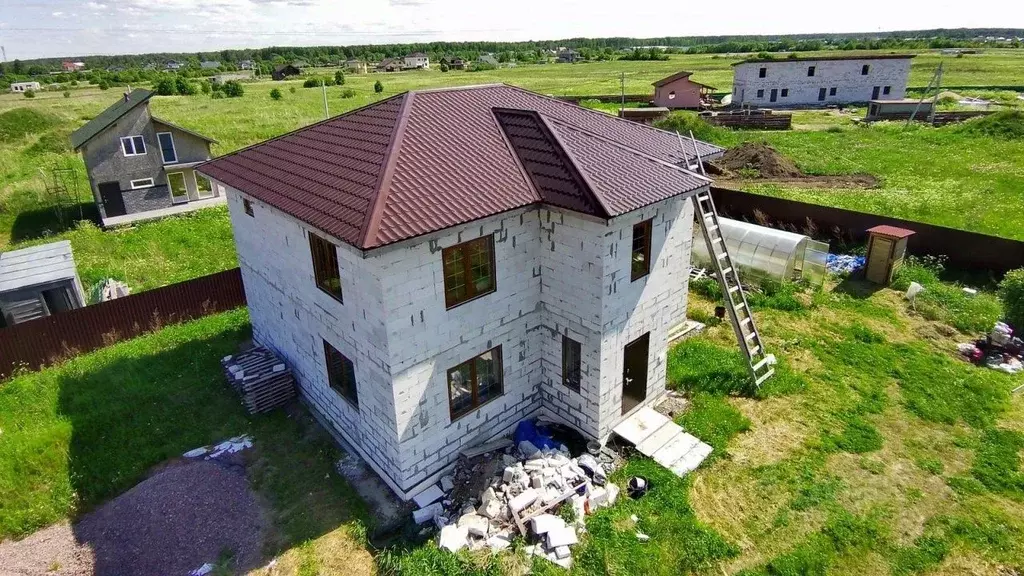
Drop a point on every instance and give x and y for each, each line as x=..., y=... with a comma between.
x=557, y=273
x=843, y=75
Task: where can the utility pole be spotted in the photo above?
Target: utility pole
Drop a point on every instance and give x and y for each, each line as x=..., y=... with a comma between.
x=323, y=86
x=622, y=92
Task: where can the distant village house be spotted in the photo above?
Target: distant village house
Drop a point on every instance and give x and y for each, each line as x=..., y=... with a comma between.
x=284, y=71
x=355, y=66
x=21, y=87
x=69, y=66
x=389, y=65
x=679, y=91
x=141, y=167
x=417, y=60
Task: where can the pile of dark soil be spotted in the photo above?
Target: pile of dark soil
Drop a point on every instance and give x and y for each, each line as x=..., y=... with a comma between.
x=760, y=157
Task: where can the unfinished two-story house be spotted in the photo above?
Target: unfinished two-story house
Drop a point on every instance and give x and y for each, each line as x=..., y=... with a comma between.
x=820, y=80
x=437, y=266
x=141, y=167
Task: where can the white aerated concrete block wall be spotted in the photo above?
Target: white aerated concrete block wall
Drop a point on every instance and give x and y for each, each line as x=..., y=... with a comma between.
x=652, y=304
x=291, y=315
x=843, y=75
x=426, y=339
x=557, y=273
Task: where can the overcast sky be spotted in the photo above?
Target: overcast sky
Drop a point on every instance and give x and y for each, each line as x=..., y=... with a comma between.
x=49, y=28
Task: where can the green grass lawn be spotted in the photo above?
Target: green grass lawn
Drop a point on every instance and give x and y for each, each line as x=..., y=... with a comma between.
x=873, y=450
x=937, y=176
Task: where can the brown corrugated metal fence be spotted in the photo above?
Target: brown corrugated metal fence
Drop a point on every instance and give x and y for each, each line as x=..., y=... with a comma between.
x=54, y=338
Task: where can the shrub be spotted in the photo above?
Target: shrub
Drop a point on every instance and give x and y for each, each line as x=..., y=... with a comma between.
x=74, y=82
x=30, y=93
x=316, y=82
x=184, y=87
x=1011, y=290
x=233, y=89
x=276, y=94
x=217, y=95
x=292, y=89
x=104, y=85
x=348, y=93
x=684, y=122
x=205, y=87
x=339, y=78
x=378, y=87
x=67, y=94
x=444, y=67
x=165, y=87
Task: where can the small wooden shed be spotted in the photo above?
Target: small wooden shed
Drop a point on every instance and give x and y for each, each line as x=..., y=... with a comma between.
x=37, y=282
x=887, y=245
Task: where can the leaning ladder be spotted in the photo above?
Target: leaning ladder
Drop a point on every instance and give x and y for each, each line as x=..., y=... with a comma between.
x=761, y=364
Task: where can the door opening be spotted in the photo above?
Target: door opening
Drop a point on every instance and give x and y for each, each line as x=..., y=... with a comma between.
x=634, y=372
x=874, y=92
x=113, y=202
x=775, y=95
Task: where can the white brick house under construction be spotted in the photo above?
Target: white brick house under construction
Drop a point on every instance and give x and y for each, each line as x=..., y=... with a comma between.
x=819, y=81
x=439, y=265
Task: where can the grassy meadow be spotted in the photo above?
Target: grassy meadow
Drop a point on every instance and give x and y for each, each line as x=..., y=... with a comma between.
x=872, y=451
x=937, y=175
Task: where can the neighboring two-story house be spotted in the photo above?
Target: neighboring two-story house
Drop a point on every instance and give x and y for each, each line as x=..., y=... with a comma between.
x=819, y=80
x=141, y=167
x=439, y=265
x=417, y=60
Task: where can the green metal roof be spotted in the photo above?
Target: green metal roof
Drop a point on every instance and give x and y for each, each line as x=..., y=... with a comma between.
x=109, y=116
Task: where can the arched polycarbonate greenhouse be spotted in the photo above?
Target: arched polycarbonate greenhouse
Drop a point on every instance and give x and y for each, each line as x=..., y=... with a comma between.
x=762, y=252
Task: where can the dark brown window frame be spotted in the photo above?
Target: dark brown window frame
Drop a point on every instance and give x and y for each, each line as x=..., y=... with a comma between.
x=646, y=226
x=475, y=403
x=344, y=384
x=471, y=291
x=247, y=206
x=572, y=372
x=325, y=260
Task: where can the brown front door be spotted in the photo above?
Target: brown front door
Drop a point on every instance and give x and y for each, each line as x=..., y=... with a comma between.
x=634, y=372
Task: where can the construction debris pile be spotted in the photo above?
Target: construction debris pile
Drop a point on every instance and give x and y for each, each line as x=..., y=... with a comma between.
x=999, y=350
x=519, y=489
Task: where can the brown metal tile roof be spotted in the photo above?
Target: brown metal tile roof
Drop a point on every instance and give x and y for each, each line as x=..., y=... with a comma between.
x=427, y=160
x=895, y=232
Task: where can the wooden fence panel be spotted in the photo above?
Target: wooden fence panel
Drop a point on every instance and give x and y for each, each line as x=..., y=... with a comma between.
x=53, y=338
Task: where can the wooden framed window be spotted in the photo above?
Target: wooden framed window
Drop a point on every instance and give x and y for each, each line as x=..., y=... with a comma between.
x=341, y=374
x=468, y=271
x=475, y=382
x=572, y=360
x=247, y=206
x=640, y=262
x=325, y=266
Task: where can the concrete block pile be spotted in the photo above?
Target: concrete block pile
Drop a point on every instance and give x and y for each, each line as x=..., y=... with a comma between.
x=518, y=491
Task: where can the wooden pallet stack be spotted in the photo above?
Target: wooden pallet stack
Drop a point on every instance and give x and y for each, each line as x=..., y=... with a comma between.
x=260, y=377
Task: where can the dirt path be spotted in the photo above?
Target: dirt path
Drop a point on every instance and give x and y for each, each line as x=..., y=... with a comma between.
x=186, y=515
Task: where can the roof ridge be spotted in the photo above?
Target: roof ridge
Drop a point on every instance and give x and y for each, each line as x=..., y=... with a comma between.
x=640, y=153
x=382, y=187
x=307, y=126
x=457, y=88
x=591, y=111
x=576, y=166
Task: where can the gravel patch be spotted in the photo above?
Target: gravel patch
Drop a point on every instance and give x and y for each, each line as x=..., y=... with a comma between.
x=184, y=516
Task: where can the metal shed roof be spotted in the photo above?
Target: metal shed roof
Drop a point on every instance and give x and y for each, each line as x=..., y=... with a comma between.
x=36, y=265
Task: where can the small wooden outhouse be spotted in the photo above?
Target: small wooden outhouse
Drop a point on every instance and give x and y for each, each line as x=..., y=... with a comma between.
x=887, y=245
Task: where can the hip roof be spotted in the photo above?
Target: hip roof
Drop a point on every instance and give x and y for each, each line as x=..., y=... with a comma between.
x=427, y=160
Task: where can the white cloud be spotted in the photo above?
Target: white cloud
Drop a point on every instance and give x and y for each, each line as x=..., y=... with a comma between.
x=95, y=6
x=56, y=14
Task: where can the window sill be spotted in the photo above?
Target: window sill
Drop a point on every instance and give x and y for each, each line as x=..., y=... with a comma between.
x=333, y=296
x=456, y=417
x=477, y=297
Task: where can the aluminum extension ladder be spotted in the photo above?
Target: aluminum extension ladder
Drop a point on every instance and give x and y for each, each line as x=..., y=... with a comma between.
x=761, y=364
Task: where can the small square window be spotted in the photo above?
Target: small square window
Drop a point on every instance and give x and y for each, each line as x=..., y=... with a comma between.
x=468, y=270
x=785, y=92
x=571, y=363
x=474, y=383
x=247, y=206
x=810, y=71
x=341, y=374
x=762, y=73
x=325, y=266
x=886, y=89
x=760, y=93
x=640, y=262
x=832, y=91
x=865, y=69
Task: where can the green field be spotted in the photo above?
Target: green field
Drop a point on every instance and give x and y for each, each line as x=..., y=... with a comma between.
x=872, y=450
x=938, y=176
